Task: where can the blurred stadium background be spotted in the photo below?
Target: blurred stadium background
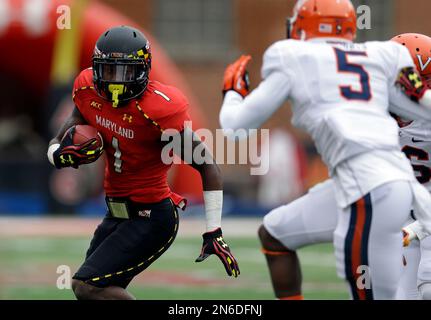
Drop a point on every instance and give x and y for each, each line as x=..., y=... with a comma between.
x=47, y=217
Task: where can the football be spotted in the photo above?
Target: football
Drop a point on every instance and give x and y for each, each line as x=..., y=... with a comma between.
x=84, y=133
x=81, y=134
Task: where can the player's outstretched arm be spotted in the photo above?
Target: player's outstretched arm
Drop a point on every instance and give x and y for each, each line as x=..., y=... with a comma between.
x=213, y=241
x=242, y=109
x=62, y=152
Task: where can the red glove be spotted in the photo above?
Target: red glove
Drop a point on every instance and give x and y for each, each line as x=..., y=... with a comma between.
x=71, y=155
x=236, y=77
x=213, y=243
x=411, y=83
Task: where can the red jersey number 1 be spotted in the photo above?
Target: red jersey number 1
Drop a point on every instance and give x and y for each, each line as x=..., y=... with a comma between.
x=118, y=163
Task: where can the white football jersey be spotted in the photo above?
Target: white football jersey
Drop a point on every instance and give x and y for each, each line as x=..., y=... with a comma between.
x=415, y=140
x=340, y=94
x=340, y=91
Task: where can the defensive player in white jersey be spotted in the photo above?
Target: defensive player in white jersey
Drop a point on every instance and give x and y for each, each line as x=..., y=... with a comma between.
x=340, y=93
x=313, y=218
x=415, y=140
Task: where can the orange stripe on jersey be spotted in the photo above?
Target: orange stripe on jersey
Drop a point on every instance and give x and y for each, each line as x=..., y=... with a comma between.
x=356, y=247
x=357, y=242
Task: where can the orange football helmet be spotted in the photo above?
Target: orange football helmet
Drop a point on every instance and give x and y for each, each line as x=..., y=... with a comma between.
x=322, y=18
x=419, y=46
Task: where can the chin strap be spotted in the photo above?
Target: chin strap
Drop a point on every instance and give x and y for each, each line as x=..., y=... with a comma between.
x=116, y=90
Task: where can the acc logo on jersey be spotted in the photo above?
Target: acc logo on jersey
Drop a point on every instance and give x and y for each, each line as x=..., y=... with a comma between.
x=96, y=105
x=127, y=117
x=421, y=63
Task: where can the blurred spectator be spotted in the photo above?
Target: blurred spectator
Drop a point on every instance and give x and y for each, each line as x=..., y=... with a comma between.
x=286, y=161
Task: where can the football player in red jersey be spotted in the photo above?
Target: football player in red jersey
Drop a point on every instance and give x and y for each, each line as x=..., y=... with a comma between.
x=131, y=112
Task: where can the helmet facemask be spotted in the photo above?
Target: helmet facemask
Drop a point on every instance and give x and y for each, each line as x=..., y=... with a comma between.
x=290, y=22
x=120, y=80
x=288, y=28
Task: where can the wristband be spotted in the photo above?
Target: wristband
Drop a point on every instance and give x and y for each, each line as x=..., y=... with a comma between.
x=52, y=148
x=213, y=208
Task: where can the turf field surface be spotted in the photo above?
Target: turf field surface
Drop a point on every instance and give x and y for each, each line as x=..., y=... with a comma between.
x=31, y=250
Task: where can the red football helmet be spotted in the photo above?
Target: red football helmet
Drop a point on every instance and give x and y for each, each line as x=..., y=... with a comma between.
x=419, y=46
x=322, y=18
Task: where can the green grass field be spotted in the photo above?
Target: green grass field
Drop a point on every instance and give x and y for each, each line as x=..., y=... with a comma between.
x=28, y=267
